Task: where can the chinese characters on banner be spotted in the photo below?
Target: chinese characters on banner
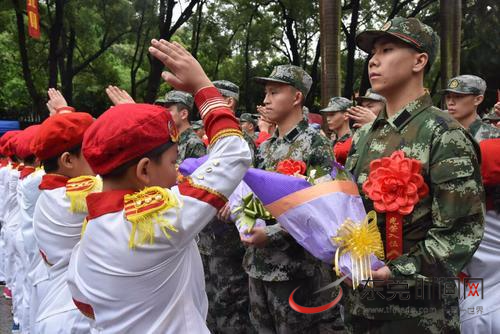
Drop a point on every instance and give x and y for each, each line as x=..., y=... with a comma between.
x=33, y=18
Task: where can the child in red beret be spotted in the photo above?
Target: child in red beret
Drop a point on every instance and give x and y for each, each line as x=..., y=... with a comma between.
x=137, y=268
x=59, y=215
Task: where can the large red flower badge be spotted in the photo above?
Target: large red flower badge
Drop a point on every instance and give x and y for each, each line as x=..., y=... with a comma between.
x=291, y=167
x=395, y=185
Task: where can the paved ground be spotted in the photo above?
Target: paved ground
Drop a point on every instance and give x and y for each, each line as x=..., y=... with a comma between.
x=5, y=315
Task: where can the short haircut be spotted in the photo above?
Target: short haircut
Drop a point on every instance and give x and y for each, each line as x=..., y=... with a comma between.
x=52, y=165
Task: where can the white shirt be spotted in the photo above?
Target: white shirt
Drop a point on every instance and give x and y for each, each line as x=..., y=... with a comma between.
x=159, y=287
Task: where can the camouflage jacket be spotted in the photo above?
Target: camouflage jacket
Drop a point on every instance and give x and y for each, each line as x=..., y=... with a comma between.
x=251, y=143
x=190, y=146
x=284, y=259
x=481, y=131
x=445, y=228
x=343, y=138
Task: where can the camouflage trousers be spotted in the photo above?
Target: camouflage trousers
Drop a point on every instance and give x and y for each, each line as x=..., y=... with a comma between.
x=271, y=311
x=226, y=284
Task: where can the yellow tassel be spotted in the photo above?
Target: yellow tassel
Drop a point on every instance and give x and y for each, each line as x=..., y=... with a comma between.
x=84, y=227
x=77, y=190
x=144, y=209
x=360, y=240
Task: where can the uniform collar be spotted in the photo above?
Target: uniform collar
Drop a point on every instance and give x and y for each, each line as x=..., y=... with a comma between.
x=405, y=115
x=53, y=181
x=102, y=203
x=475, y=126
x=344, y=137
x=185, y=134
x=27, y=170
x=294, y=133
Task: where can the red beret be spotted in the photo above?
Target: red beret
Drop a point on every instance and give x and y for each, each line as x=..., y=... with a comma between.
x=126, y=132
x=60, y=133
x=490, y=165
x=7, y=142
x=24, y=140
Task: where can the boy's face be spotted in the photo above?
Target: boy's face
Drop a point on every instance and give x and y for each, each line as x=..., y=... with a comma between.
x=335, y=120
x=391, y=64
x=374, y=106
x=79, y=165
x=461, y=106
x=247, y=127
x=280, y=100
x=164, y=173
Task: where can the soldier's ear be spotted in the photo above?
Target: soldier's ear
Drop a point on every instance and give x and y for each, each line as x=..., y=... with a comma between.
x=420, y=62
x=298, y=99
x=478, y=99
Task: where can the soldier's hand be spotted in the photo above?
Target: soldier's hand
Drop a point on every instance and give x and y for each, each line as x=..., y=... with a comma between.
x=497, y=108
x=224, y=214
x=56, y=100
x=382, y=275
x=361, y=116
x=257, y=238
x=185, y=72
x=118, y=96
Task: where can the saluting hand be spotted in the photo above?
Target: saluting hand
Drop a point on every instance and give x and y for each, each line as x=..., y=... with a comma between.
x=185, y=72
x=361, y=116
x=56, y=101
x=118, y=96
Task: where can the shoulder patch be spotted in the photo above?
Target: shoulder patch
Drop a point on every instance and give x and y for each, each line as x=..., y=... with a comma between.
x=144, y=209
x=78, y=188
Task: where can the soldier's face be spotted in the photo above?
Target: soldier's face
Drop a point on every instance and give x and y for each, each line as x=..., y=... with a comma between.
x=280, y=100
x=461, y=106
x=392, y=64
x=247, y=127
x=178, y=116
x=374, y=106
x=335, y=120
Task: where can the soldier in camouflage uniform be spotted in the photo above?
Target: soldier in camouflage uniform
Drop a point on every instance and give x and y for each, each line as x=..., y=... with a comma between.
x=463, y=96
x=248, y=125
x=276, y=263
x=180, y=105
x=222, y=253
x=231, y=93
x=442, y=232
x=338, y=122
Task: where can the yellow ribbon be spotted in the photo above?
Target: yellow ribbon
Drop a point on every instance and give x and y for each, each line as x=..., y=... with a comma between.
x=360, y=240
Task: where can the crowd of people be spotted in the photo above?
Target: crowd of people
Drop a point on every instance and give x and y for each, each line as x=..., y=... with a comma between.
x=101, y=233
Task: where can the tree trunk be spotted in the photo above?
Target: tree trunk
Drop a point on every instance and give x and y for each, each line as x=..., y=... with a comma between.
x=330, y=19
x=457, y=37
x=351, y=50
x=446, y=33
x=248, y=100
x=54, y=40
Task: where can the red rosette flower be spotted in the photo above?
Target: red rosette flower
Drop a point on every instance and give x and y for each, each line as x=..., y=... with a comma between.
x=291, y=167
x=395, y=184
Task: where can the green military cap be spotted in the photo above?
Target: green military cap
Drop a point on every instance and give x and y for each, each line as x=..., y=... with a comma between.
x=247, y=117
x=337, y=103
x=369, y=95
x=227, y=88
x=408, y=30
x=491, y=117
x=177, y=96
x=197, y=125
x=160, y=101
x=291, y=75
x=466, y=84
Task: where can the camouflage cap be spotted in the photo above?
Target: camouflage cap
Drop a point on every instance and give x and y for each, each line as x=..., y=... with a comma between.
x=291, y=75
x=369, y=95
x=160, y=101
x=408, y=30
x=491, y=117
x=177, y=96
x=466, y=84
x=247, y=117
x=197, y=125
x=337, y=103
x=227, y=88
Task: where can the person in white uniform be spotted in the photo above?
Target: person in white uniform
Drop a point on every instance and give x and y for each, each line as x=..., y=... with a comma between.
x=137, y=268
x=59, y=216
